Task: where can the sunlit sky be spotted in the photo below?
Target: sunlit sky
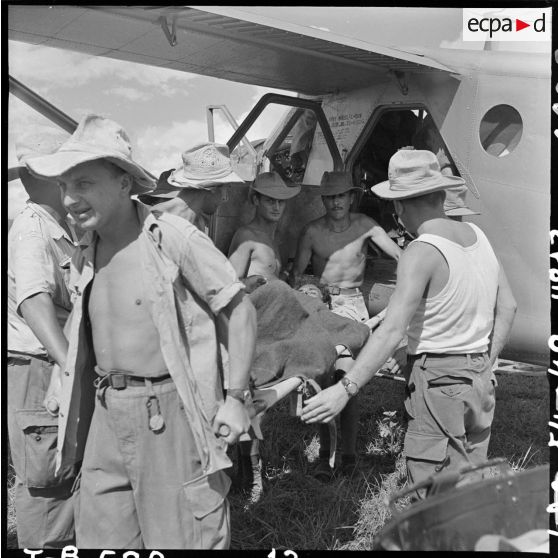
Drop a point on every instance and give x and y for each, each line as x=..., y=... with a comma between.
x=164, y=111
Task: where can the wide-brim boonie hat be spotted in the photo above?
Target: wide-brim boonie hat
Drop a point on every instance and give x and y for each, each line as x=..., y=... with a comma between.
x=454, y=205
x=39, y=141
x=35, y=142
x=270, y=184
x=413, y=173
x=95, y=138
x=204, y=165
x=335, y=183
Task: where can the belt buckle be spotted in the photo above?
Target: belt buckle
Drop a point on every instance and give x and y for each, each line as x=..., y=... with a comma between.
x=117, y=381
x=334, y=290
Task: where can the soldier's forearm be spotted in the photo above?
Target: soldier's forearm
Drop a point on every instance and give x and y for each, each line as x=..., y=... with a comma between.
x=500, y=332
x=241, y=343
x=39, y=313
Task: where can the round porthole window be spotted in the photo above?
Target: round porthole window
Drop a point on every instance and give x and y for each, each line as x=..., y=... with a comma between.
x=500, y=130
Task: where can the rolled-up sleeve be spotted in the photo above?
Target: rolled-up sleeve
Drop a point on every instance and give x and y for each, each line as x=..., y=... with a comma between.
x=208, y=272
x=32, y=265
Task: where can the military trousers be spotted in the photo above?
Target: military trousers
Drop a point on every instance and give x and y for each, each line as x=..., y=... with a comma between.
x=145, y=488
x=44, y=504
x=450, y=403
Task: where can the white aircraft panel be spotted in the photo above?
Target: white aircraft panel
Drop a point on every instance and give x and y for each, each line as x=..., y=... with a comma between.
x=217, y=45
x=44, y=21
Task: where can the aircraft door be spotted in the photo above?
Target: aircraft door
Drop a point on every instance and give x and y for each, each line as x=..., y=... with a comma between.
x=281, y=130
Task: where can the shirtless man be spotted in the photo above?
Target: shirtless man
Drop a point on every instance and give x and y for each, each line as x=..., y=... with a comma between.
x=254, y=251
x=454, y=303
x=254, y=254
x=336, y=244
x=141, y=402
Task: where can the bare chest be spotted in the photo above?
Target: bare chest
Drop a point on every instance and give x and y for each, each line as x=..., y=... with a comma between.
x=349, y=246
x=265, y=259
x=118, y=289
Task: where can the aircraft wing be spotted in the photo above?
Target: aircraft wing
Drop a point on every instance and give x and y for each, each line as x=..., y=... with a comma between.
x=229, y=43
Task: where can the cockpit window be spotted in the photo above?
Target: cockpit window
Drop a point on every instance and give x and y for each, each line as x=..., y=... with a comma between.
x=500, y=130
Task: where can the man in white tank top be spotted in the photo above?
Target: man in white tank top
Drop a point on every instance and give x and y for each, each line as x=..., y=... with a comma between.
x=453, y=301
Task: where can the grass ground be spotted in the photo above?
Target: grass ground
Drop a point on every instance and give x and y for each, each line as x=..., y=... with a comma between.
x=298, y=512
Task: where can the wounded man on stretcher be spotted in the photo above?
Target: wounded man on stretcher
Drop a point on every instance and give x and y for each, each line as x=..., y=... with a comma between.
x=300, y=344
x=297, y=335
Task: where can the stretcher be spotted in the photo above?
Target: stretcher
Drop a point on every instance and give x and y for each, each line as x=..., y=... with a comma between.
x=300, y=388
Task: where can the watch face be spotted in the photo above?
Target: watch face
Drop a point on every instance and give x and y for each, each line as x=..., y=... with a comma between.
x=350, y=387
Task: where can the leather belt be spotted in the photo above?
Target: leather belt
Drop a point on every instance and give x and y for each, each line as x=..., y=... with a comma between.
x=122, y=380
x=431, y=356
x=332, y=290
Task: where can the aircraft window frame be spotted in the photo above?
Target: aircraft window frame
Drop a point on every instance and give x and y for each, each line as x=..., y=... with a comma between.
x=370, y=126
x=498, y=123
x=300, y=105
x=366, y=202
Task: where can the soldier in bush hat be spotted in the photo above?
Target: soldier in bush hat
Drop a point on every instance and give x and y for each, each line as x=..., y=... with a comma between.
x=195, y=190
x=40, y=245
x=141, y=402
x=336, y=245
x=254, y=254
x=454, y=303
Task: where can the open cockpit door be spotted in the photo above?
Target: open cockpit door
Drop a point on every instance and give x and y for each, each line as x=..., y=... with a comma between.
x=290, y=136
x=286, y=150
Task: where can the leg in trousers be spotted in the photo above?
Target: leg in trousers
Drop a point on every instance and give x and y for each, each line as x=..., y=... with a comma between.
x=44, y=516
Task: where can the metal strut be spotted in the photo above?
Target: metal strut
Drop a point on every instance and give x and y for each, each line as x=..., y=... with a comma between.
x=170, y=35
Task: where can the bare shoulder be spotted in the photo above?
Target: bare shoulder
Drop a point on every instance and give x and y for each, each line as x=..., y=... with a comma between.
x=242, y=235
x=364, y=221
x=313, y=227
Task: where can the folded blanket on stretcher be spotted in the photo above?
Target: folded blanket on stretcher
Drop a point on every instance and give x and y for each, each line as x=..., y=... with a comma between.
x=297, y=335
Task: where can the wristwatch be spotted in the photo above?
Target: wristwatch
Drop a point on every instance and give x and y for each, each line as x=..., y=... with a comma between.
x=350, y=387
x=240, y=394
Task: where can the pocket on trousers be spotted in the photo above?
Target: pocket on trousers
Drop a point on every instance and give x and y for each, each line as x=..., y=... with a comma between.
x=205, y=494
x=424, y=446
x=38, y=459
x=452, y=386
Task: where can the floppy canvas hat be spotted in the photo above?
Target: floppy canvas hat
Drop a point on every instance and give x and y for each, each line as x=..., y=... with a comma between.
x=413, y=173
x=38, y=141
x=334, y=183
x=204, y=165
x=454, y=205
x=270, y=184
x=95, y=138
